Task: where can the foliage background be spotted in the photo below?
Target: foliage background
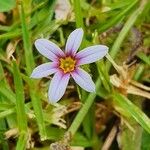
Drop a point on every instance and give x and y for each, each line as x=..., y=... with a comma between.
x=116, y=116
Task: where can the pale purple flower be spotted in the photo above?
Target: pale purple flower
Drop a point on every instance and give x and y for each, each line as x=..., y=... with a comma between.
x=66, y=64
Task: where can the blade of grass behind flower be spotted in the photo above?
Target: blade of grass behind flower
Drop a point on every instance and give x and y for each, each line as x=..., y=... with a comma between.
x=87, y=124
x=4, y=87
x=130, y=22
x=26, y=41
x=139, y=72
x=83, y=111
x=7, y=95
x=21, y=144
x=6, y=109
x=20, y=108
x=103, y=75
x=132, y=110
x=144, y=58
x=3, y=129
x=118, y=18
x=11, y=34
x=78, y=14
x=14, y=30
x=36, y=102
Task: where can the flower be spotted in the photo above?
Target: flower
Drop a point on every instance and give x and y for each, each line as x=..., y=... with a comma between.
x=66, y=64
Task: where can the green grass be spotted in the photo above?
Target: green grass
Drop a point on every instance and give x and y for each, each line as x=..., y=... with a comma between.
x=26, y=116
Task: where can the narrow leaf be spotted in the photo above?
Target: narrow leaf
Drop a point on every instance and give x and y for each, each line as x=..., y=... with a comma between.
x=132, y=110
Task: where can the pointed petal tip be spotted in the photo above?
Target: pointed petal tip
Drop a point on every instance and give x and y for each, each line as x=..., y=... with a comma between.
x=84, y=80
x=74, y=41
x=36, y=42
x=52, y=100
x=91, y=54
x=44, y=70
x=48, y=49
x=106, y=48
x=103, y=47
x=39, y=42
x=58, y=87
x=79, y=29
x=92, y=89
x=33, y=76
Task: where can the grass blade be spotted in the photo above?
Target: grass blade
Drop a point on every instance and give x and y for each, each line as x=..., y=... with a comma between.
x=78, y=14
x=118, y=18
x=132, y=110
x=83, y=111
x=20, y=108
x=130, y=22
x=26, y=41
x=21, y=144
x=30, y=64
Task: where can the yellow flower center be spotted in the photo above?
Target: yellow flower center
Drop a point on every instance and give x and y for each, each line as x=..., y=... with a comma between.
x=67, y=64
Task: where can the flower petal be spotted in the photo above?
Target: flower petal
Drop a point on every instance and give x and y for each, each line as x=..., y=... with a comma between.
x=74, y=41
x=44, y=70
x=83, y=79
x=58, y=86
x=91, y=54
x=48, y=49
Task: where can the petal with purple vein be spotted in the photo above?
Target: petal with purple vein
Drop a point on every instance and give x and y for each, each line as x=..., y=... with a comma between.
x=74, y=41
x=48, y=49
x=58, y=86
x=83, y=79
x=44, y=70
x=91, y=54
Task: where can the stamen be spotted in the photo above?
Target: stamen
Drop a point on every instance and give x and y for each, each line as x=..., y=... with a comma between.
x=67, y=64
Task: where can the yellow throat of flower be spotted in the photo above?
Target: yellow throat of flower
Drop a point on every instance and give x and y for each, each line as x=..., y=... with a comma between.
x=67, y=64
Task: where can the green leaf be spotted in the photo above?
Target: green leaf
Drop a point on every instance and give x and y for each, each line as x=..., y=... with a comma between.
x=145, y=141
x=56, y=134
x=113, y=21
x=124, y=32
x=5, y=90
x=20, y=106
x=78, y=14
x=120, y=4
x=21, y=144
x=139, y=72
x=132, y=110
x=129, y=140
x=6, y=5
x=80, y=140
x=7, y=112
x=143, y=57
x=7, y=93
x=3, y=141
x=83, y=111
x=29, y=60
x=103, y=75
